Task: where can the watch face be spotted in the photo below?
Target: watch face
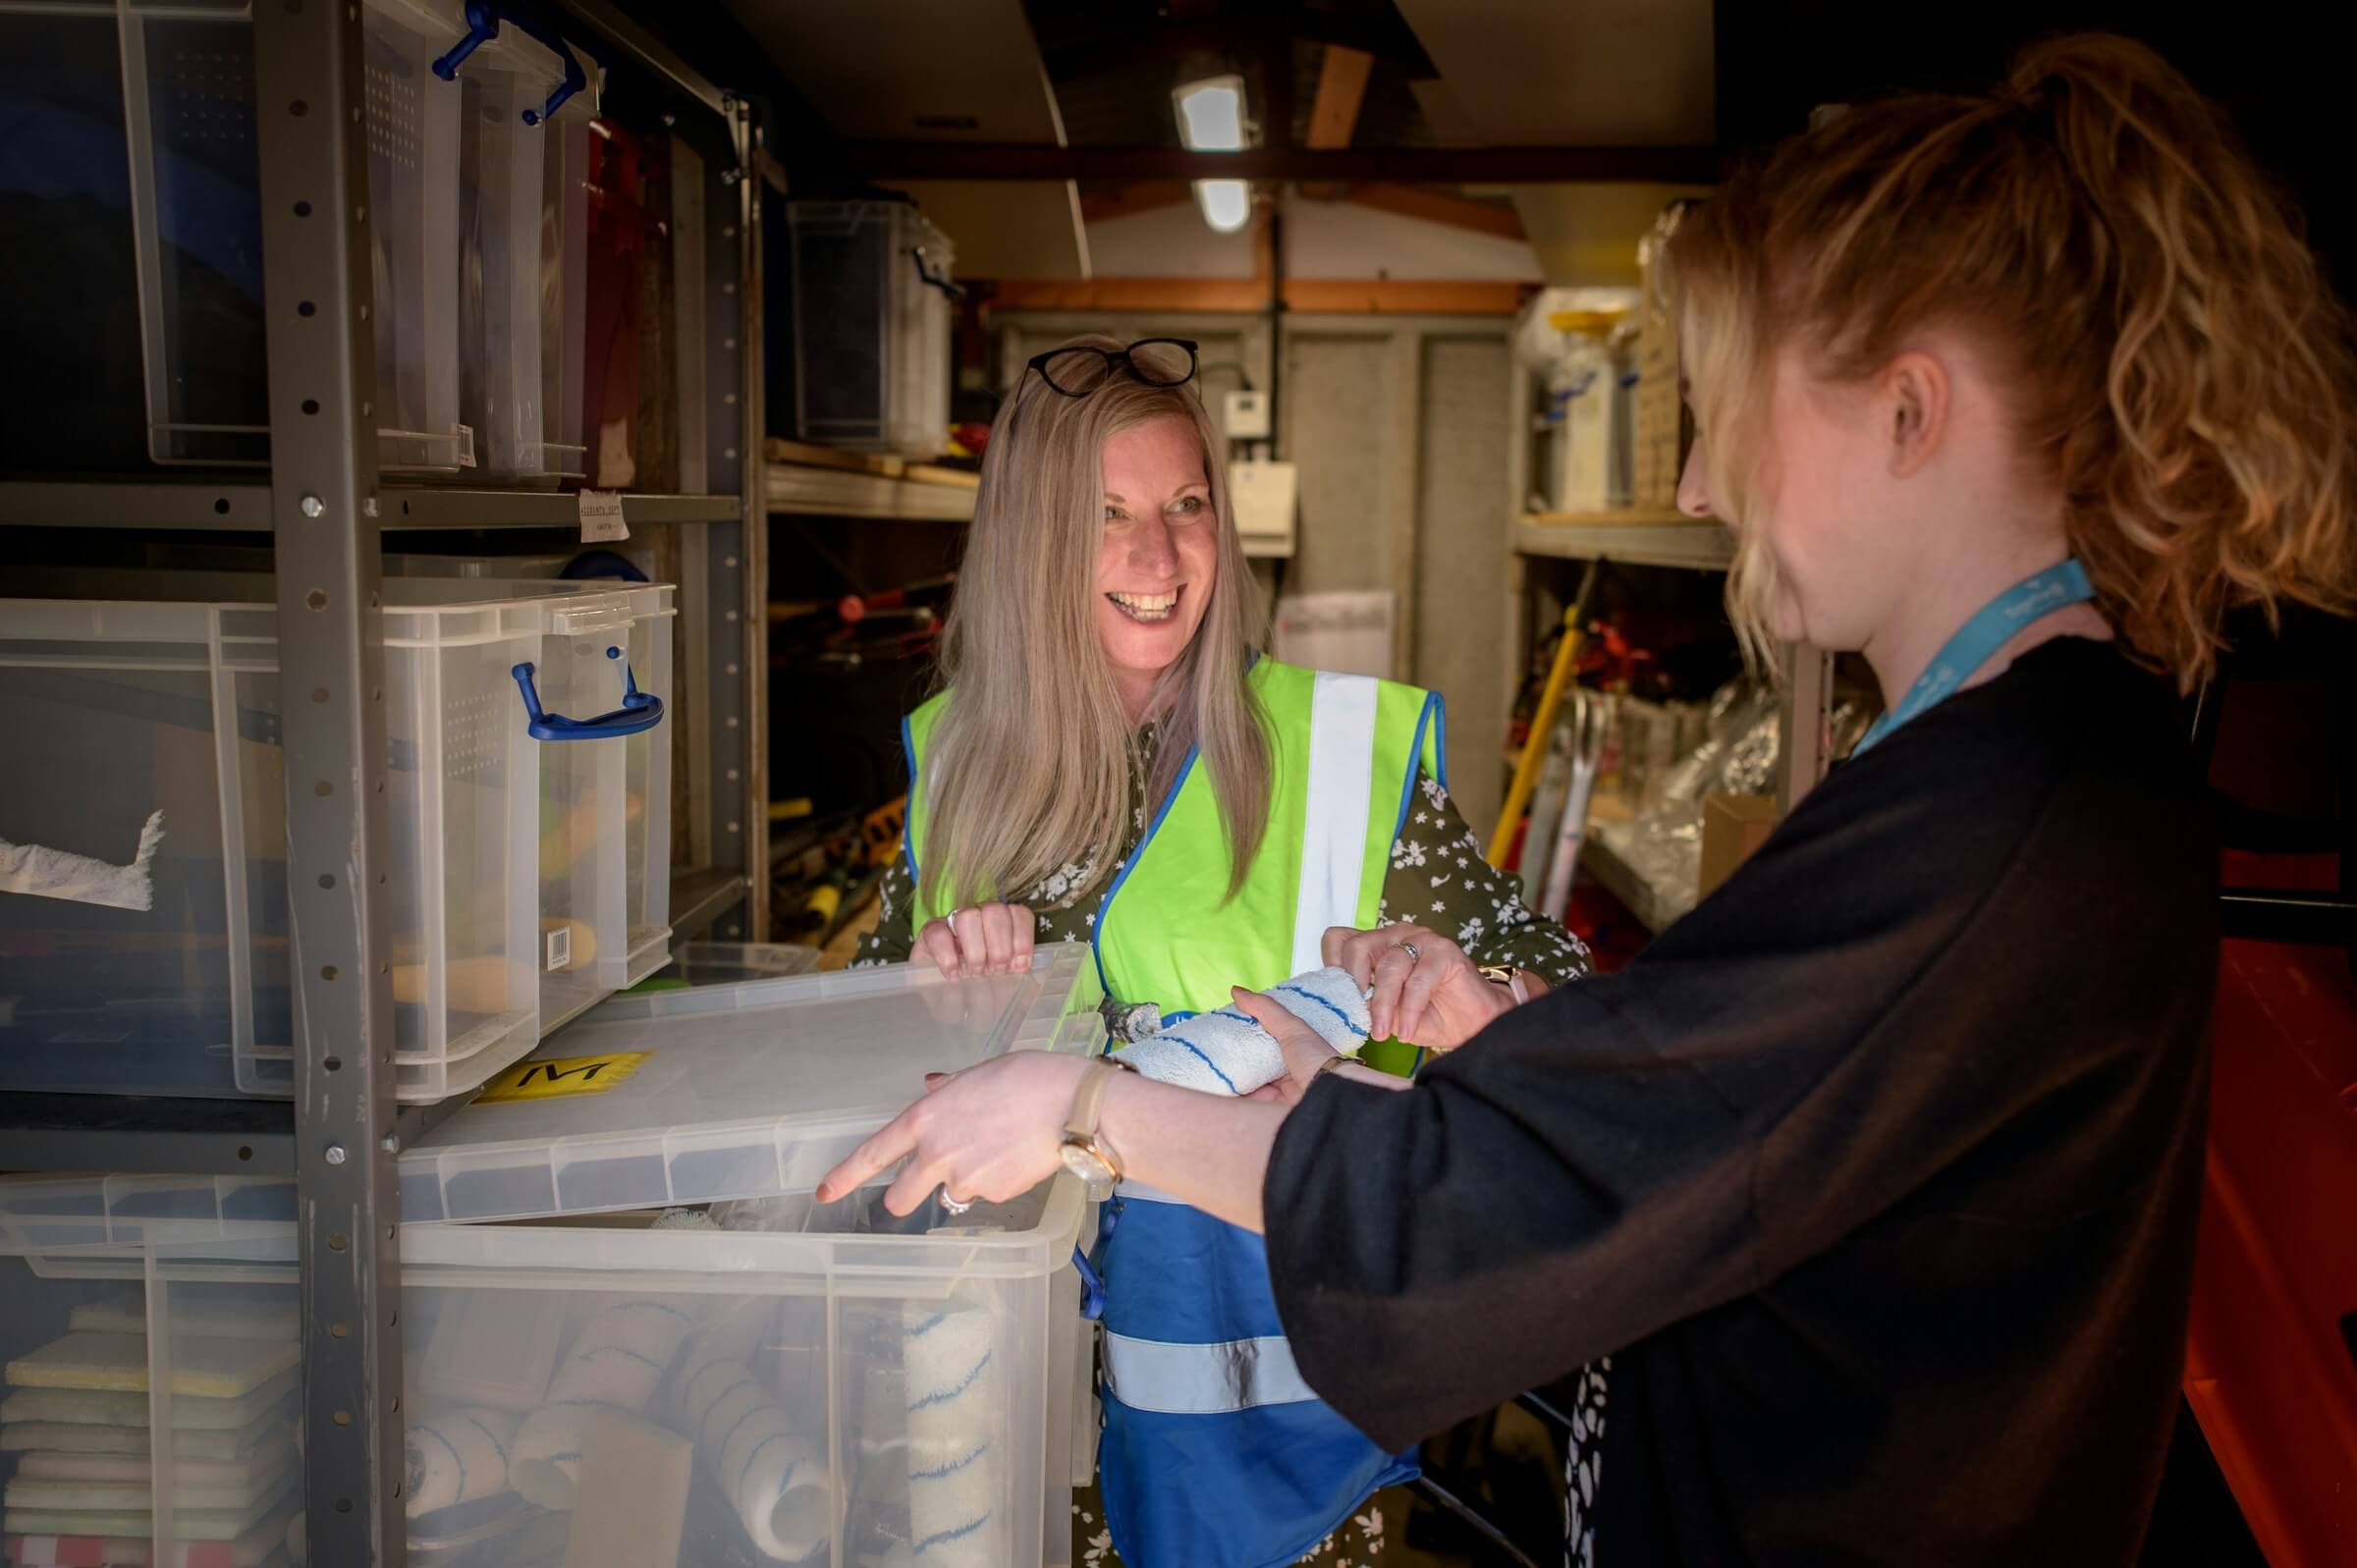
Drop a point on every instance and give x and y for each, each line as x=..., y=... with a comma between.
x=1091, y=1166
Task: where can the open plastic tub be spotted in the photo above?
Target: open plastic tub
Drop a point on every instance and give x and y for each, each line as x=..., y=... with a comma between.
x=829, y=1386
x=145, y=941
x=727, y=963
x=524, y=215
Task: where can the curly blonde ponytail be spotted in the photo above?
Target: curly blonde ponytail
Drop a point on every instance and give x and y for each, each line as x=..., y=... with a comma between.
x=2184, y=374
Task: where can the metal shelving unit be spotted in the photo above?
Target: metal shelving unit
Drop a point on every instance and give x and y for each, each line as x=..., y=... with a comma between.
x=796, y=490
x=1654, y=537
x=163, y=505
x=1632, y=538
x=800, y=491
x=327, y=511
x=698, y=897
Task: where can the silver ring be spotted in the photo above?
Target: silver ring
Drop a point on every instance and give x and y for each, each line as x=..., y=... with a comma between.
x=1412, y=951
x=955, y=1206
x=951, y=920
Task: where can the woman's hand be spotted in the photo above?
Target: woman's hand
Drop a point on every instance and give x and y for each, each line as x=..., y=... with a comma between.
x=991, y=939
x=1426, y=991
x=989, y=1133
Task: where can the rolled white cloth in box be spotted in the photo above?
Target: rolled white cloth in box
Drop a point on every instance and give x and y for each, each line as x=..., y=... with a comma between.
x=770, y=1471
x=1227, y=1052
x=952, y=1382
x=617, y=1362
x=458, y=1456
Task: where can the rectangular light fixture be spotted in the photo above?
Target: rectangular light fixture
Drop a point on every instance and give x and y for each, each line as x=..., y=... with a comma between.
x=1227, y=203
x=1211, y=119
x=1210, y=114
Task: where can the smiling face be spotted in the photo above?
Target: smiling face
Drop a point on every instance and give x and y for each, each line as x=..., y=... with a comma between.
x=1158, y=556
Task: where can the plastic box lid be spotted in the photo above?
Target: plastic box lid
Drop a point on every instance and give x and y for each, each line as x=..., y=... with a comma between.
x=717, y=1091
x=740, y=1091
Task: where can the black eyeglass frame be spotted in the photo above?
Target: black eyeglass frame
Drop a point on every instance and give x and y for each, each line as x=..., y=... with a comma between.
x=1117, y=360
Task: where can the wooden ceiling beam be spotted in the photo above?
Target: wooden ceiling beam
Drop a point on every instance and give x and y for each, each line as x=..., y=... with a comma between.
x=1342, y=88
x=1437, y=206
x=1334, y=112
x=1120, y=43
x=1443, y=166
x=1142, y=197
x=1344, y=296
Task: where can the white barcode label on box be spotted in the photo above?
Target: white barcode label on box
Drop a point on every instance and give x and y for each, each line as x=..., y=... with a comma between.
x=560, y=948
x=601, y=517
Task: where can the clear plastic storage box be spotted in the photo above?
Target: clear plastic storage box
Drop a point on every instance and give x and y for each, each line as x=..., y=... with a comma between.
x=604, y=665
x=165, y=90
x=188, y=98
x=871, y=327
x=144, y=940
x=524, y=224
x=727, y=963
x=765, y=1381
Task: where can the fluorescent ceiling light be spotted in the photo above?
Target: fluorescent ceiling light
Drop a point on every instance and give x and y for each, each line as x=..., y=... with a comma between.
x=1227, y=203
x=1210, y=114
x=1211, y=119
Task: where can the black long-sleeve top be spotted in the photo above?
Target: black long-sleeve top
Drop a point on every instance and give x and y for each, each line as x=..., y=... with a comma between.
x=1875, y=1178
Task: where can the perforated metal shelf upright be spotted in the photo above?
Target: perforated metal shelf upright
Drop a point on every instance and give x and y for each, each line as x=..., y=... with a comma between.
x=325, y=508
x=1536, y=593
x=327, y=513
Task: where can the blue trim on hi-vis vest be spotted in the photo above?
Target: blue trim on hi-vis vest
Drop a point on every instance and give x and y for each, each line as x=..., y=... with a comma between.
x=1096, y=930
x=1296, y=1449
x=1976, y=642
x=1415, y=766
x=1163, y=1252
x=1439, y=739
x=908, y=816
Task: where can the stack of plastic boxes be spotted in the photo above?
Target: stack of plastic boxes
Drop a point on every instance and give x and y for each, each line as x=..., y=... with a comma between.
x=633, y=1324
x=77, y=1419
x=144, y=940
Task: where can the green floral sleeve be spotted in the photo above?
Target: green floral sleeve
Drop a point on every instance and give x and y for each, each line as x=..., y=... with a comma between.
x=1440, y=879
x=894, y=935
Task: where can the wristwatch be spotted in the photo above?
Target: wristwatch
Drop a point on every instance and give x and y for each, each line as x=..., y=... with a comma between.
x=1506, y=975
x=1085, y=1152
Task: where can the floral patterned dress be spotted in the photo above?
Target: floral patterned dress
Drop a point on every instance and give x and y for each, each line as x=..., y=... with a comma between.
x=1437, y=880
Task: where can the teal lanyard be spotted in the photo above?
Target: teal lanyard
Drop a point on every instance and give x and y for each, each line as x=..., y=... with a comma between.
x=1995, y=625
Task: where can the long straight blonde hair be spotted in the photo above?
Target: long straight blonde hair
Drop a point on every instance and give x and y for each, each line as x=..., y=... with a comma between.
x=1030, y=768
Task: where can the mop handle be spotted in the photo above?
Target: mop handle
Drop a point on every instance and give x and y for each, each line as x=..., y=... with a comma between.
x=1542, y=723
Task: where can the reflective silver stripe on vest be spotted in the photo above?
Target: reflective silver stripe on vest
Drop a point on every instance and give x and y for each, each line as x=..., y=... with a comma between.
x=1333, y=825
x=1212, y=1380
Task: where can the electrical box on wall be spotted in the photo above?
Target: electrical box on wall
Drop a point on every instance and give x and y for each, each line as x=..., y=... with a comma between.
x=1264, y=496
x=1245, y=416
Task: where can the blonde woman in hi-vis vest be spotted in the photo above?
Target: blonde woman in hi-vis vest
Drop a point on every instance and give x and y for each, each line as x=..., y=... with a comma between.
x=1114, y=760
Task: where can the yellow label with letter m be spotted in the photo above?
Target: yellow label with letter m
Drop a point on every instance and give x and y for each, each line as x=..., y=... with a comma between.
x=558, y=1076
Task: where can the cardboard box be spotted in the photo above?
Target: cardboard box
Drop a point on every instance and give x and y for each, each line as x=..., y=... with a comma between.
x=1732, y=827
x=1662, y=428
